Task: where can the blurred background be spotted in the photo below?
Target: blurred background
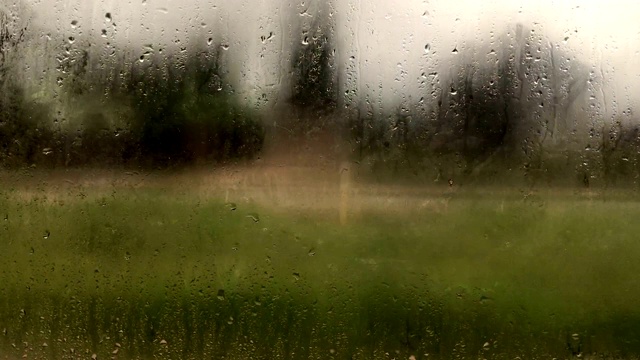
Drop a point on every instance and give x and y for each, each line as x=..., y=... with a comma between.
x=340, y=179
x=422, y=89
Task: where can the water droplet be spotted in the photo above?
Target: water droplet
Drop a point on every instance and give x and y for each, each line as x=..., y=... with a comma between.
x=225, y=46
x=74, y=24
x=221, y=294
x=455, y=50
x=305, y=41
x=254, y=217
x=296, y=276
x=107, y=17
x=104, y=33
x=231, y=206
x=427, y=48
x=47, y=151
x=312, y=252
x=46, y=234
x=209, y=41
x=163, y=342
x=71, y=39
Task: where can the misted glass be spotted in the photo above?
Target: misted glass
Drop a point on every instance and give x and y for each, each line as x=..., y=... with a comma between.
x=339, y=179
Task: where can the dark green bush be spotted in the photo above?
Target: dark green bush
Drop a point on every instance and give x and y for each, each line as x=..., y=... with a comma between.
x=165, y=111
x=189, y=115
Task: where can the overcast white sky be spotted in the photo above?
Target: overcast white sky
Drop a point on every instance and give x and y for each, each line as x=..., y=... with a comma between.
x=386, y=38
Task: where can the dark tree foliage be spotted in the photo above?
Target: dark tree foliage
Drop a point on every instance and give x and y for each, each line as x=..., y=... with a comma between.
x=11, y=35
x=20, y=123
x=313, y=73
x=509, y=109
x=185, y=113
x=176, y=109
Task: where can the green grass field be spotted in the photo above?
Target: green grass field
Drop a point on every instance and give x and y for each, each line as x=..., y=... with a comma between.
x=148, y=273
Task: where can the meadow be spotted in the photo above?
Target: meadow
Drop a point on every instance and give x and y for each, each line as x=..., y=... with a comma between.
x=159, y=268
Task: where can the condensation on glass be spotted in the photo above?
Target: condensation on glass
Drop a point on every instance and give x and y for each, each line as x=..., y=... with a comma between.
x=319, y=179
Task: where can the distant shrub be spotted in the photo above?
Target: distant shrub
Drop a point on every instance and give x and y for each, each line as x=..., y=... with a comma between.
x=164, y=111
x=184, y=113
x=313, y=73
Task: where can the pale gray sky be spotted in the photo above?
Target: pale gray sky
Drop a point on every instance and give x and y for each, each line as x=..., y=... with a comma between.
x=392, y=42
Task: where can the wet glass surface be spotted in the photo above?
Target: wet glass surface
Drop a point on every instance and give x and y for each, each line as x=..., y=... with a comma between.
x=319, y=180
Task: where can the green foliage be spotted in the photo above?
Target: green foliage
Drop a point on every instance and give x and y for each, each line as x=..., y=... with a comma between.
x=23, y=130
x=500, y=119
x=313, y=71
x=166, y=111
x=184, y=113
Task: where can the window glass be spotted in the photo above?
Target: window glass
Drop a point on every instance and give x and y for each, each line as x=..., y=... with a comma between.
x=339, y=179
